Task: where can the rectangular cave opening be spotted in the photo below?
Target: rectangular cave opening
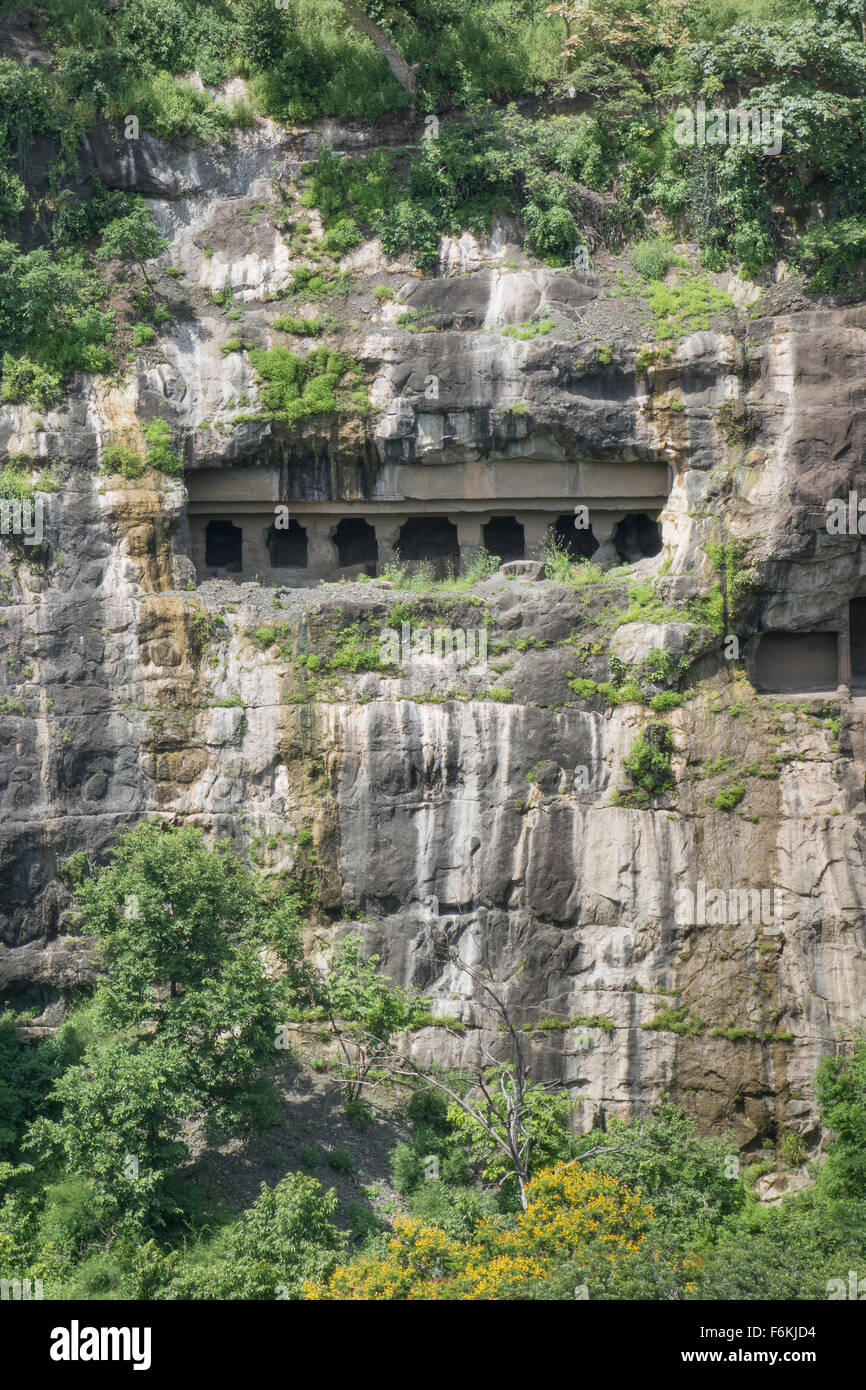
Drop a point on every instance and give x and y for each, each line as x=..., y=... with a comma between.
x=504, y=536
x=430, y=540
x=797, y=662
x=224, y=546
x=356, y=544
x=857, y=629
x=287, y=546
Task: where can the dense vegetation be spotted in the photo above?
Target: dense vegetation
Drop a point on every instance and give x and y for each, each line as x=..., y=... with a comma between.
x=175, y=1048
x=562, y=117
x=595, y=173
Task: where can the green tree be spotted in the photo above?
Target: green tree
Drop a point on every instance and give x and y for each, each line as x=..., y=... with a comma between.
x=119, y=1127
x=161, y=911
x=688, y=1180
x=366, y=1011
x=785, y=1253
x=201, y=960
x=263, y=31
x=286, y=1237
x=134, y=236
x=840, y=1085
x=167, y=913
x=27, y=1073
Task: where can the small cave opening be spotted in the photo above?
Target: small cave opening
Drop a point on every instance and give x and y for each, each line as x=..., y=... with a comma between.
x=432, y=539
x=356, y=544
x=503, y=536
x=287, y=546
x=224, y=546
x=637, y=537
x=578, y=541
x=791, y=662
x=857, y=628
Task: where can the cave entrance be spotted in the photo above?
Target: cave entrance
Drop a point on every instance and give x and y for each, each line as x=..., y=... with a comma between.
x=432, y=539
x=287, y=546
x=356, y=544
x=223, y=546
x=637, y=537
x=797, y=662
x=503, y=536
x=857, y=627
x=579, y=542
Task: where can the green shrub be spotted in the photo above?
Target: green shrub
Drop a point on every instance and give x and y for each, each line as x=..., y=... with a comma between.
x=551, y=232
x=26, y=380
x=685, y=307
x=629, y=693
x=409, y=227
x=481, y=566
x=27, y=1072
x=71, y=1216
x=285, y=1238
x=340, y=1161
x=301, y=328
x=728, y=797
x=559, y=564
x=142, y=335
x=583, y=687
x=122, y=459
x=315, y=285
x=15, y=484
x=659, y=665
x=407, y=1168
x=831, y=251
x=671, y=1020
x=341, y=236
x=452, y=1209
x=665, y=700
x=51, y=322
x=352, y=654
x=362, y=1221
x=360, y=1114
x=652, y=257
x=160, y=454
x=649, y=761
x=299, y=387
x=172, y=110
x=792, y=1149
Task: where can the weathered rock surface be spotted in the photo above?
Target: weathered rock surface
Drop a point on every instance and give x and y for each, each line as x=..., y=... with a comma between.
x=442, y=812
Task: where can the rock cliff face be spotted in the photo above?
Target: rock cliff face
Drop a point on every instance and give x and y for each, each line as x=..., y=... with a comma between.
x=474, y=806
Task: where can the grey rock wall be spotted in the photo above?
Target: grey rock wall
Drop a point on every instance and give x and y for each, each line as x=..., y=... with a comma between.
x=440, y=812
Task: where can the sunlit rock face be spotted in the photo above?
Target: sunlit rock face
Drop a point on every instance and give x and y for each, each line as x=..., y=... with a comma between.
x=461, y=809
